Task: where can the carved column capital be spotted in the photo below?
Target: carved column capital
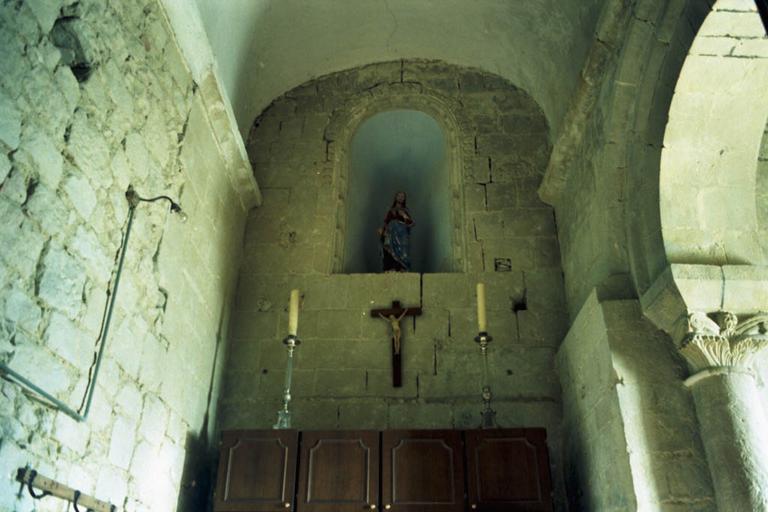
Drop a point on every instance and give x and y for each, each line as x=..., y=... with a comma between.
x=720, y=340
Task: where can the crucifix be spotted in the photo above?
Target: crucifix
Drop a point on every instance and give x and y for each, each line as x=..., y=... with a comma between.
x=393, y=315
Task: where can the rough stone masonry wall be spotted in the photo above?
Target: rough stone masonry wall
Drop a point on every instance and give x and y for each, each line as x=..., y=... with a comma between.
x=630, y=431
x=94, y=96
x=608, y=215
x=342, y=377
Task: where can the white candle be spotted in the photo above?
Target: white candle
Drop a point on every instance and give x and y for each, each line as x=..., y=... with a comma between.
x=293, y=313
x=482, y=323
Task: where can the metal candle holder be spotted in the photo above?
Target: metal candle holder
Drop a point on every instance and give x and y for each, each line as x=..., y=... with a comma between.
x=488, y=415
x=284, y=415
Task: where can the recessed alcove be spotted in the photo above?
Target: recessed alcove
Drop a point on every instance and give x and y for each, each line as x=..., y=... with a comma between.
x=398, y=150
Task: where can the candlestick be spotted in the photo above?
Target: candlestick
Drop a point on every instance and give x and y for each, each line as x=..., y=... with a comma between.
x=293, y=313
x=482, y=323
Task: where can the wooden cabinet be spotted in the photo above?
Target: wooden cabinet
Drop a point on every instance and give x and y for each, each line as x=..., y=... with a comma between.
x=257, y=471
x=338, y=471
x=422, y=470
x=500, y=470
x=508, y=470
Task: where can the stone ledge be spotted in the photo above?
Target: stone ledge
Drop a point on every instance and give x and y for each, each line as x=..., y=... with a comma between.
x=681, y=288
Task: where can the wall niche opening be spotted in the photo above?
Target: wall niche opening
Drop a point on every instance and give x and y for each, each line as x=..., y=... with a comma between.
x=399, y=150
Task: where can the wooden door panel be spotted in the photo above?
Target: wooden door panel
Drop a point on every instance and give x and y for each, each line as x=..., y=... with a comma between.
x=338, y=471
x=257, y=471
x=508, y=470
x=422, y=471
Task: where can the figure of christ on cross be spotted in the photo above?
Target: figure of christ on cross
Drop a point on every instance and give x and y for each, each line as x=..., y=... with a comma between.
x=394, y=315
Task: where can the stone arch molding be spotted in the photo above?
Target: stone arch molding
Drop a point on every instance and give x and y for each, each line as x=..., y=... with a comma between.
x=459, y=138
x=711, y=144
x=707, y=193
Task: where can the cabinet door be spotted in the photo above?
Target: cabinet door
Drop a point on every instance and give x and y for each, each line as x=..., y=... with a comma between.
x=422, y=471
x=257, y=471
x=338, y=471
x=508, y=470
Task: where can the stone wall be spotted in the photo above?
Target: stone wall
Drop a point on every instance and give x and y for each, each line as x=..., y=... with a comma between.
x=630, y=429
x=95, y=98
x=342, y=377
x=608, y=204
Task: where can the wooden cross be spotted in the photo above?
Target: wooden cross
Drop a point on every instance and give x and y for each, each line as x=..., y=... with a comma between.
x=393, y=315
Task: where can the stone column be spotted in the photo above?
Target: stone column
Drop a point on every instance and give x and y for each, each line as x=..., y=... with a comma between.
x=732, y=422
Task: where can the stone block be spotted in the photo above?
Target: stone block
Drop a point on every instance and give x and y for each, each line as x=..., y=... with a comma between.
x=89, y=151
x=475, y=196
x=344, y=324
x=369, y=291
x=146, y=470
x=480, y=170
x=528, y=222
x=501, y=195
x=5, y=166
x=46, y=12
x=447, y=291
x=433, y=322
x=13, y=457
x=349, y=354
x=326, y=292
x=154, y=418
x=87, y=246
x=122, y=442
x=378, y=384
x=72, y=434
x=22, y=311
x=112, y=484
x=488, y=226
x=547, y=329
x=744, y=288
x=66, y=340
x=419, y=414
x=244, y=384
x=544, y=290
x=369, y=415
x=249, y=325
x=42, y=158
x=524, y=372
x=137, y=155
x=80, y=194
x=245, y=354
x=313, y=414
x=14, y=188
x=518, y=254
x=10, y=123
x=129, y=400
x=43, y=367
x=334, y=383
x=122, y=343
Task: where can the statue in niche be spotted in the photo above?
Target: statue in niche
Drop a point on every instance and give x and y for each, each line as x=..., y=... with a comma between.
x=395, y=236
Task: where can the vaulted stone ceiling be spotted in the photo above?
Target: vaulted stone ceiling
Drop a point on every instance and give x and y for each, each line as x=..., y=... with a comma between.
x=265, y=48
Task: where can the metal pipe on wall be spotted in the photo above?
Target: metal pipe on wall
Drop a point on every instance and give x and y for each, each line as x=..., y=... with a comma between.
x=5, y=371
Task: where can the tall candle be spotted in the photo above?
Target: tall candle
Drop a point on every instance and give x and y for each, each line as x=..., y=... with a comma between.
x=293, y=313
x=482, y=323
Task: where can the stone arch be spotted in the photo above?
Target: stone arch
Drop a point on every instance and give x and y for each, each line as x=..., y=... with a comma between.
x=408, y=96
x=664, y=176
x=498, y=140
x=708, y=165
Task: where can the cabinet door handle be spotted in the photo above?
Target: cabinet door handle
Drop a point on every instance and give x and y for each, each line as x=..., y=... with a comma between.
x=387, y=506
x=474, y=506
x=372, y=507
x=287, y=504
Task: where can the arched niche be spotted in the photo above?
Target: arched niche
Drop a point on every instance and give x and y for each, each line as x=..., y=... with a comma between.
x=399, y=150
x=427, y=110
